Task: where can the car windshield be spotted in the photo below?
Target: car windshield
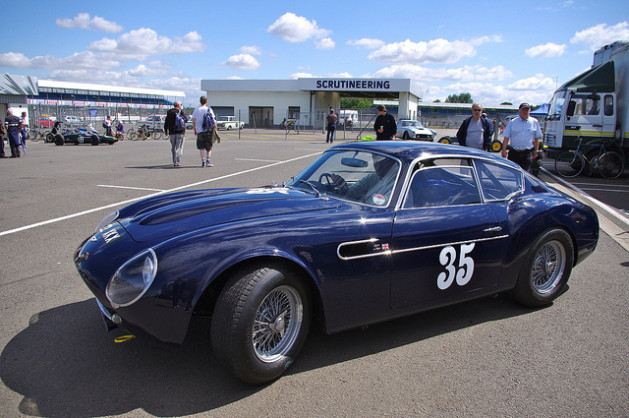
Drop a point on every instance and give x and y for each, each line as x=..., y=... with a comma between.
x=221, y=118
x=413, y=123
x=357, y=176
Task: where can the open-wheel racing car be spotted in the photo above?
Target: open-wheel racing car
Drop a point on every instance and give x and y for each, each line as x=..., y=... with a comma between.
x=79, y=137
x=370, y=231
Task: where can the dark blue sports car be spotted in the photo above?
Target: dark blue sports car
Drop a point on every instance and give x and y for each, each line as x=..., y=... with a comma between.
x=369, y=232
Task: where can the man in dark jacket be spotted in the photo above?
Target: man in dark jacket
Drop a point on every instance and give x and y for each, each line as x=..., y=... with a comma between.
x=384, y=125
x=13, y=127
x=176, y=135
x=475, y=131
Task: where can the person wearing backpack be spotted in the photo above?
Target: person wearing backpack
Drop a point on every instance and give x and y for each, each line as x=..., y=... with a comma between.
x=204, y=123
x=175, y=127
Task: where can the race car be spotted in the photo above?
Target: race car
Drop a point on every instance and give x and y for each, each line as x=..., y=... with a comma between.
x=413, y=129
x=77, y=138
x=370, y=231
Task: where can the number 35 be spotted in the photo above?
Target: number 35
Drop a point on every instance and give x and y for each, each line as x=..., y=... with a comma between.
x=466, y=266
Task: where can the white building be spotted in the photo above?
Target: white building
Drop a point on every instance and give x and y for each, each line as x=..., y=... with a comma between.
x=266, y=103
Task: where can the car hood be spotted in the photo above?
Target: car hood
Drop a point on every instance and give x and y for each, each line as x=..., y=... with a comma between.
x=177, y=213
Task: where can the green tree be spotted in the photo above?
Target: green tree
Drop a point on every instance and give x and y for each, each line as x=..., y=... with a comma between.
x=436, y=101
x=356, y=103
x=459, y=98
x=507, y=103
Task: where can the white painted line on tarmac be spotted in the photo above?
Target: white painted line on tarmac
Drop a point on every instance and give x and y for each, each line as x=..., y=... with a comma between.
x=254, y=159
x=604, y=190
x=126, y=202
x=130, y=188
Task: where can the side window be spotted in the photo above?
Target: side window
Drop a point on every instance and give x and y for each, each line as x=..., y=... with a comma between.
x=499, y=182
x=609, y=105
x=442, y=186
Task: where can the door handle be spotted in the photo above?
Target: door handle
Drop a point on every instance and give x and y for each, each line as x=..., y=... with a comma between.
x=493, y=229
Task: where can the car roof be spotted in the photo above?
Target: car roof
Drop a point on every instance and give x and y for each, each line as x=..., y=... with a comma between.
x=408, y=151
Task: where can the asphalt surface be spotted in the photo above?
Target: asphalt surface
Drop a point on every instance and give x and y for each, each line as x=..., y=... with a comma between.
x=489, y=357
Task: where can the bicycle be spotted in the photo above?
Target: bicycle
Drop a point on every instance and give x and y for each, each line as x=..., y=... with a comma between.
x=608, y=164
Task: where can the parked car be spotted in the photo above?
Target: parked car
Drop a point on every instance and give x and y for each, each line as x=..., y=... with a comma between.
x=155, y=120
x=84, y=137
x=369, y=232
x=413, y=129
x=72, y=120
x=229, y=122
x=46, y=121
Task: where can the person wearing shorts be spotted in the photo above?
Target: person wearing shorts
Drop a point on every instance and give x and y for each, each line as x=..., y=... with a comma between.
x=204, y=137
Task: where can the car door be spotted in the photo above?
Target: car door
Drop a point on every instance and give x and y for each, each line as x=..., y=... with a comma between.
x=447, y=243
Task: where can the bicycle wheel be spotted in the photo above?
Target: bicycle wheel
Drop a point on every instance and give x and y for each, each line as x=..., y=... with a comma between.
x=569, y=164
x=132, y=135
x=610, y=165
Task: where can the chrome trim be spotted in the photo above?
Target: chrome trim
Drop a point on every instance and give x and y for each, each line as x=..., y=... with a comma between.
x=365, y=241
x=406, y=250
x=427, y=247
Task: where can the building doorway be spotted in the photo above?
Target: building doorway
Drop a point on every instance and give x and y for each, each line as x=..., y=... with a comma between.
x=261, y=116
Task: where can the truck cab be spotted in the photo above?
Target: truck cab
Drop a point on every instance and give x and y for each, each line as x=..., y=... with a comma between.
x=587, y=107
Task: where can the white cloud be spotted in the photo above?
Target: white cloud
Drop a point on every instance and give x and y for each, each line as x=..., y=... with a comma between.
x=547, y=50
x=409, y=52
x=366, y=43
x=537, y=82
x=597, y=36
x=85, y=21
x=301, y=75
x=141, y=43
x=341, y=75
x=293, y=28
x=422, y=74
x=251, y=50
x=325, y=43
x=242, y=62
x=80, y=60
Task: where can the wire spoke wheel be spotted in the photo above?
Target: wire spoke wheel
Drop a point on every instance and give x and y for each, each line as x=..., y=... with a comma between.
x=569, y=164
x=277, y=323
x=548, y=266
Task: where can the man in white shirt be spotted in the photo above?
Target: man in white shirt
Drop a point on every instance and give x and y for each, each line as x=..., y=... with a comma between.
x=204, y=136
x=524, y=134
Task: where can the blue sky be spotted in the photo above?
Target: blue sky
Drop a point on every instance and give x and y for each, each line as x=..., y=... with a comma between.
x=496, y=50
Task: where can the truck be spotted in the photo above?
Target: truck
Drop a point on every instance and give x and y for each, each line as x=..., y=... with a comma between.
x=592, y=107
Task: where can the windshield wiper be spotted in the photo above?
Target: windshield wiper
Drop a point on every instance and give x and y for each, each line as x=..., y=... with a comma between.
x=312, y=186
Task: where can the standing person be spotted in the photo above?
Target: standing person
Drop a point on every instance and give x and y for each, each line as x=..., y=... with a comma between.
x=204, y=133
x=331, y=120
x=107, y=126
x=3, y=132
x=475, y=132
x=176, y=130
x=13, y=127
x=384, y=125
x=524, y=134
x=24, y=131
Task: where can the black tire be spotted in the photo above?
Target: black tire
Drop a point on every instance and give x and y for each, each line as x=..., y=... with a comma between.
x=611, y=165
x=50, y=137
x=265, y=306
x=405, y=136
x=569, y=164
x=546, y=270
x=94, y=140
x=59, y=140
x=445, y=140
x=496, y=145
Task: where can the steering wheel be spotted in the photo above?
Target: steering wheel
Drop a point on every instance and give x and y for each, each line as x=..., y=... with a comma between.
x=335, y=181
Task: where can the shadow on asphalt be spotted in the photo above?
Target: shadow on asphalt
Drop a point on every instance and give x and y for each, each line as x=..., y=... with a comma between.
x=65, y=364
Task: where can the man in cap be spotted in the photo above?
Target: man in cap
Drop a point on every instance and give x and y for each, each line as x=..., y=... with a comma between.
x=524, y=134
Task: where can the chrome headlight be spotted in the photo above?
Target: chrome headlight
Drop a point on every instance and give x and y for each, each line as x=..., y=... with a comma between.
x=109, y=218
x=132, y=279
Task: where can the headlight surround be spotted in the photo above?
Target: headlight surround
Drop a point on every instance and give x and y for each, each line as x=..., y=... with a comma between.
x=109, y=218
x=132, y=279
